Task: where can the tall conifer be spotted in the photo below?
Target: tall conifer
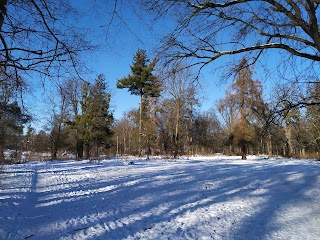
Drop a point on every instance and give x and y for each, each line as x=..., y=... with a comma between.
x=96, y=119
x=141, y=82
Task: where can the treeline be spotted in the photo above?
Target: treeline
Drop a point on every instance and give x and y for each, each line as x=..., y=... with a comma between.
x=80, y=124
x=240, y=123
x=169, y=119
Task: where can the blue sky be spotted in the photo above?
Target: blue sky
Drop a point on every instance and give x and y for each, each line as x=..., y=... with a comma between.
x=123, y=41
x=118, y=41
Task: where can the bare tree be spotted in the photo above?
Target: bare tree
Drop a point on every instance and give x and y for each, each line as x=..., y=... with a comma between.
x=208, y=30
x=57, y=123
x=289, y=100
x=180, y=83
x=40, y=36
x=245, y=96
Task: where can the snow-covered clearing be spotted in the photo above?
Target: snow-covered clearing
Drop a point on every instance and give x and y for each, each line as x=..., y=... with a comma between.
x=198, y=198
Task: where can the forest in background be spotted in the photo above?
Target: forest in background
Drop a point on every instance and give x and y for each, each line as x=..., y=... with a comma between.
x=169, y=119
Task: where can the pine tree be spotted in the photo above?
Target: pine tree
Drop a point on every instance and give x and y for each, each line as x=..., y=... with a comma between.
x=95, y=121
x=12, y=120
x=102, y=119
x=141, y=82
x=12, y=117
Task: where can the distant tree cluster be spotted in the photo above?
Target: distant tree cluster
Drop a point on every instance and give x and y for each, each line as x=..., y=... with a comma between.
x=169, y=119
x=241, y=123
x=81, y=122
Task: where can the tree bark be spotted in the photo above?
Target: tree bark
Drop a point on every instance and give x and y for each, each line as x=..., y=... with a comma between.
x=288, y=134
x=243, y=152
x=97, y=150
x=79, y=148
x=117, y=152
x=176, y=137
x=54, y=151
x=269, y=145
x=88, y=148
x=124, y=146
x=140, y=126
x=2, y=159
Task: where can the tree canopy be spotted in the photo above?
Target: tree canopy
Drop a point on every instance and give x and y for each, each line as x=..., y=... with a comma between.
x=244, y=97
x=207, y=30
x=142, y=81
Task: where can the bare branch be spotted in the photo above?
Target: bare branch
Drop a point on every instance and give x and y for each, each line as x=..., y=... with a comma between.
x=36, y=36
x=208, y=30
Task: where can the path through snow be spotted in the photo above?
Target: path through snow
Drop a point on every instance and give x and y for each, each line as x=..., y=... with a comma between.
x=161, y=199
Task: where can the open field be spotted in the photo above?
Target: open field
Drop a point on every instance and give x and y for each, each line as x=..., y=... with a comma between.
x=196, y=198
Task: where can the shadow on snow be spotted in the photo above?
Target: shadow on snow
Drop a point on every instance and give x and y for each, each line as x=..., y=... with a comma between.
x=117, y=201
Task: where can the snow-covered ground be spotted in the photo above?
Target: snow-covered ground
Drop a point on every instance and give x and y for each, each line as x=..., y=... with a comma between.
x=196, y=198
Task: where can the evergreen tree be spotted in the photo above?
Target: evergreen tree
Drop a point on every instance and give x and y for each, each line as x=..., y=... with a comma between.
x=94, y=123
x=12, y=120
x=141, y=82
x=102, y=118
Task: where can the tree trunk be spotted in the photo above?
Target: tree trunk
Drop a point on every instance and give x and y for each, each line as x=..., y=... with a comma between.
x=140, y=126
x=124, y=146
x=243, y=120
x=2, y=159
x=303, y=151
x=79, y=148
x=148, y=149
x=88, y=148
x=269, y=145
x=97, y=150
x=117, y=152
x=288, y=134
x=129, y=147
x=176, y=137
x=55, y=144
x=243, y=152
x=54, y=151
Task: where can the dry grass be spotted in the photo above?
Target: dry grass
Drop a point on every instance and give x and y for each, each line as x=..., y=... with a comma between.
x=315, y=156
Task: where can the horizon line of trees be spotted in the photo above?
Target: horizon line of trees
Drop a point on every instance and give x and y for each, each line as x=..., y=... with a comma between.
x=169, y=120
x=240, y=123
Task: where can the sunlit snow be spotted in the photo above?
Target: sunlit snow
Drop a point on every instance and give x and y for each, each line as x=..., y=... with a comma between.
x=196, y=198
